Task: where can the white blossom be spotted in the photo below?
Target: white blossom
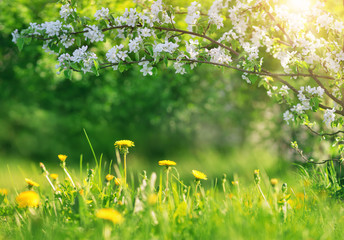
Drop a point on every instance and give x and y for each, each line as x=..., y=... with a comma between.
x=102, y=13
x=93, y=33
x=15, y=36
x=135, y=44
x=287, y=116
x=146, y=68
x=115, y=54
x=193, y=14
x=79, y=54
x=191, y=48
x=66, y=11
x=218, y=55
x=214, y=14
x=329, y=116
x=52, y=28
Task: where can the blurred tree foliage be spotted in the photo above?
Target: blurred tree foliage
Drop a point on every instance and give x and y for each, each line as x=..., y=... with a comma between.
x=43, y=114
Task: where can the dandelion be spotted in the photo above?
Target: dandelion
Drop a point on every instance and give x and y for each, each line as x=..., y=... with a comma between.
x=167, y=163
x=235, y=183
x=54, y=176
x=109, y=177
x=27, y=199
x=3, y=192
x=31, y=183
x=199, y=175
x=152, y=198
x=62, y=157
x=124, y=145
x=256, y=176
x=274, y=182
x=110, y=214
x=118, y=181
x=63, y=165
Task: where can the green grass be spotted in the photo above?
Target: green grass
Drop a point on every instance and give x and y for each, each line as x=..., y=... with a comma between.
x=215, y=209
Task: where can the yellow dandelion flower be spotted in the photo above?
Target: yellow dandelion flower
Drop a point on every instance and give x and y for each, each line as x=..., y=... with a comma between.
x=54, y=176
x=62, y=157
x=235, y=183
x=118, y=181
x=31, y=183
x=274, y=181
x=199, y=175
x=256, y=172
x=3, y=191
x=109, y=177
x=152, y=198
x=27, y=199
x=167, y=163
x=110, y=214
x=124, y=143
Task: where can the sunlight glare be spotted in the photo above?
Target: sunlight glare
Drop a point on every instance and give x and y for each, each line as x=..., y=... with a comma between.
x=299, y=5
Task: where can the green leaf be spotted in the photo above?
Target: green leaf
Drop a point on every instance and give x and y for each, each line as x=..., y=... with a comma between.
x=68, y=74
x=20, y=44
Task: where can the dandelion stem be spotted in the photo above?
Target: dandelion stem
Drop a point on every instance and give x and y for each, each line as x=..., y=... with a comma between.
x=118, y=156
x=51, y=184
x=167, y=170
x=261, y=192
x=68, y=175
x=125, y=168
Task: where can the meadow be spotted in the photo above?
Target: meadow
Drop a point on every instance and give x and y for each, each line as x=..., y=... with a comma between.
x=102, y=200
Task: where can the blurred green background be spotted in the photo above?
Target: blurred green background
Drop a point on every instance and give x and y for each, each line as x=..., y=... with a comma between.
x=209, y=120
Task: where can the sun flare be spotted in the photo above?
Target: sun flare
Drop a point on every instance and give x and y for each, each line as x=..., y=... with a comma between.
x=299, y=5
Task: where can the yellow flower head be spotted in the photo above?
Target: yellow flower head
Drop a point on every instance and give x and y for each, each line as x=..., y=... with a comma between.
x=274, y=181
x=54, y=176
x=199, y=175
x=167, y=163
x=256, y=172
x=31, y=183
x=110, y=214
x=118, y=181
x=109, y=177
x=27, y=199
x=62, y=157
x=3, y=191
x=124, y=144
x=235, y=183
x=152, y=198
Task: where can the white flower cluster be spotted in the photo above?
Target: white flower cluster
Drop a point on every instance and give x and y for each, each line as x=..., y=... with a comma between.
x=66, y=11
x=218, y=55
x=102, y=13
x=146, y=68
x=93, y=33
x=66, y=40
x=288, y=116
x=81, y=56
x=156, y=9
x=51, y=28
x=214, y=13
x=178, y=65
x=191, y=48
x=193, y=14
x=115, y=54
x=166, y=47
x=130, y=17
x=135, y=44
x=305, y=101
x=329, y=116
x=15, y=36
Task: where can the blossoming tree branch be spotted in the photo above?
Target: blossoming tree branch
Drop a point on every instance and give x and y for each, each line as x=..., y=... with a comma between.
x=296, y=54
